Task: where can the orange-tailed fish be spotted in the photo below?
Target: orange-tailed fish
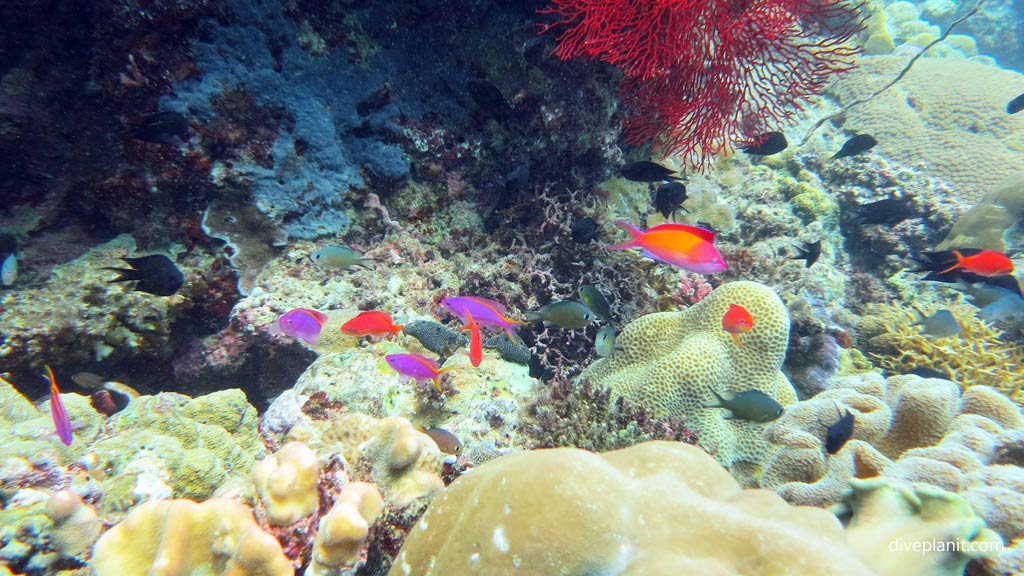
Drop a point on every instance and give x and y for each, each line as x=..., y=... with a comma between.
x=61, y=424
x=487, y=312
x=415, y=366
x=302, y=323
x=371, y=323
x=476, y=346
x=942, y=266
x=737, y=321
x=688, y=247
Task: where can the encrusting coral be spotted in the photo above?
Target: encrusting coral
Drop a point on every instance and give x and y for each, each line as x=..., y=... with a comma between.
x=287, y=483
x=978, y=355
x=343, y=531
x=216, y=537
x=670, y=362
x=75, y=524
x=655, y=508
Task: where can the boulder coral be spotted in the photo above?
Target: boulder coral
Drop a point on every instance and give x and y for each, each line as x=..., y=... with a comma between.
x=915, y=433
x=216, y=537
x=287, y=483
x=670, y=362
x=947, y=112
x=654, y=508
x=343, y=532
x=986, y=223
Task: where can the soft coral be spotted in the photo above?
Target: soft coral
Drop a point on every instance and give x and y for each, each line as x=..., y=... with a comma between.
x=704, y=74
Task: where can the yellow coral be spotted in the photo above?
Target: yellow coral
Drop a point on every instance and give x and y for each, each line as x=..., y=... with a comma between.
x=977, y=356
x=671, y=361
x=287, y=483
x=344, y=529
x=217, y=537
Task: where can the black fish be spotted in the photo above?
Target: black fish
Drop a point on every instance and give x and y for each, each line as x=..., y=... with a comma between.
x=669, y=197
x=888, y=212
x=808, y=253
x=766, y=144
x=490, y=100
x=376, y=100
x=644, y=171
x=154, y=274
x=840, y=432
x=857, y=145
x=161, y=128
x=584, y=230
x=1015, y=105
x=929, y=373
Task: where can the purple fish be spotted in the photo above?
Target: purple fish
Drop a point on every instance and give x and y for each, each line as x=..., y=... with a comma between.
x=417, y=367
x=61, y=424
x=485, y=312
x=303, y=323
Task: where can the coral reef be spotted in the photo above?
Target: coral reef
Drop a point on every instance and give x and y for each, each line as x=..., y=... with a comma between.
x=670, y=363
x=655, y=508
x=947, y=111
x=978, y=355
x=218, y=537
x=985, y=225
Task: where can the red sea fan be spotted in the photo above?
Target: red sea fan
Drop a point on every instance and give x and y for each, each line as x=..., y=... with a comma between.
x=702, y=75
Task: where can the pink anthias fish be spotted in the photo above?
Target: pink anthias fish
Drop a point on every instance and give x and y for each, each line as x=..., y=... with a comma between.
x=486, y=312
x=302, y=323
x=417, y=367
x=61, y=423
x=688, y=247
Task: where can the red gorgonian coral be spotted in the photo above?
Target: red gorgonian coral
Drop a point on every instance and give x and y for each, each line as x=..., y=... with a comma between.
x=704, y=75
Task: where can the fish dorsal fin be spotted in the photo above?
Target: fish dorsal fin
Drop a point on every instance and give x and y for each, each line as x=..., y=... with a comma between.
x=500, y=308
x=426, y=362
x=702, y=233
x=317, y=315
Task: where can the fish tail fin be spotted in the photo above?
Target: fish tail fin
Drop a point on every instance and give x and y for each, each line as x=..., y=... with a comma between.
x=368, y=263
x=436, y=378
x=533, y=316
x=721, y=401
x=959, y=260
x=633, y=231
x=124, y=274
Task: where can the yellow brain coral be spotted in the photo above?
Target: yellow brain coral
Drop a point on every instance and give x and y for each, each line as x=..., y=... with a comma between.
x=948, y=113
x=652, y=509
x=217, y=537
x=671, y=361
x=287, y=483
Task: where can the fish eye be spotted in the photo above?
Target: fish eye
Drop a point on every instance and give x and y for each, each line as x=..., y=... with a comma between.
x=230, y=219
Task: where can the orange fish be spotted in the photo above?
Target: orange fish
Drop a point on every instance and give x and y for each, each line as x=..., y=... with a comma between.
x=736, y=321
x=688, y=247
x=982, y=262
x=476, y=347
x=371, y=323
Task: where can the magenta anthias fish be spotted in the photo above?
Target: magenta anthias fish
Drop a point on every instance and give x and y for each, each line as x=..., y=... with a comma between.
x=61, y=424
x=302, y=323
x=415, y=366
x=486, y=312
x=688, y=247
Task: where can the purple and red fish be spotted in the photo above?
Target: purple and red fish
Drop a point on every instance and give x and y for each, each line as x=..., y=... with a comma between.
x=687, y=247
x=416, y=366
x=302, y=323
x=61, y=423
x=486, y=312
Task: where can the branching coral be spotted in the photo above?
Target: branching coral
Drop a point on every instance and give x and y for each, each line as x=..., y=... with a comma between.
x=978, y=355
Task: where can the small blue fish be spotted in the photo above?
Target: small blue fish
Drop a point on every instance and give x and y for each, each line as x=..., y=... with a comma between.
x=9, y=270
x=604, y=342
x=752, y=405
x=340, y=258
x=941, y=324
x=62, y=426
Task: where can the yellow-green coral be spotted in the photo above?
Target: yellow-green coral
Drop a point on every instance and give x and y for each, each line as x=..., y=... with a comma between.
x=671, y=361
x=978, y=355
x=343, y=531
x=985, y=224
